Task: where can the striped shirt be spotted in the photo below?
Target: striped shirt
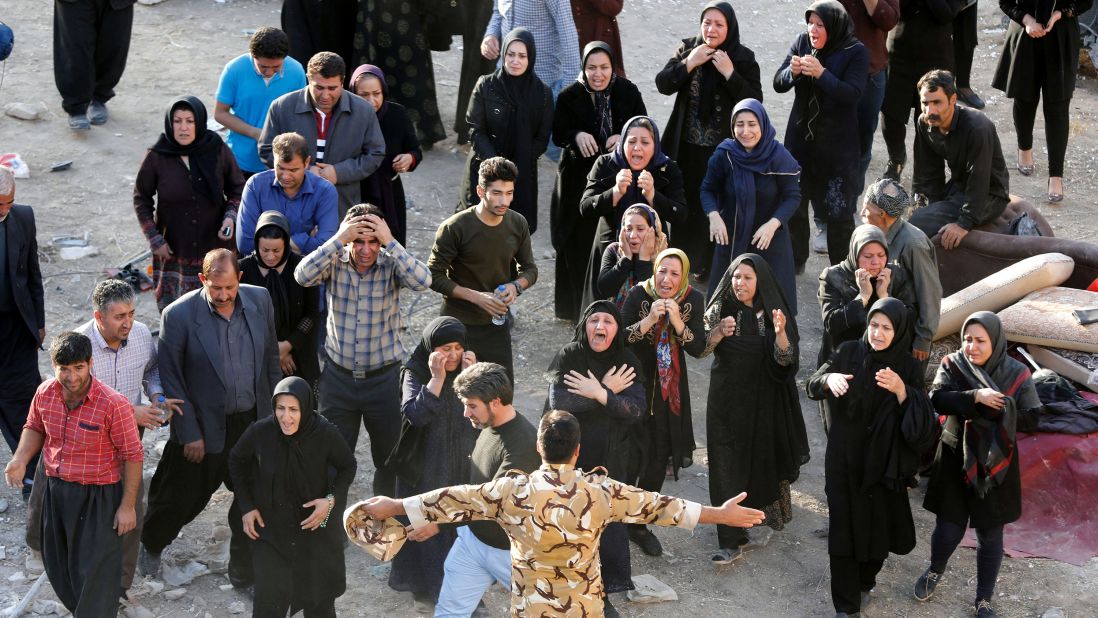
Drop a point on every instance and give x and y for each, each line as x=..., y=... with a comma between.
x=364, y=320
x=130, y=367
x=86, y=445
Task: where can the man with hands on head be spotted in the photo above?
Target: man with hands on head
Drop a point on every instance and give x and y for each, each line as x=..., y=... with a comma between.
x=92, y=459
x=363, y=269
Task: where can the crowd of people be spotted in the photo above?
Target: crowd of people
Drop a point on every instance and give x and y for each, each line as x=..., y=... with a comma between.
x=280, y=269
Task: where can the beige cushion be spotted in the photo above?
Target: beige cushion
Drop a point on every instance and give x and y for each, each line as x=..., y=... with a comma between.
x=1003, y=288
x=1044, y=318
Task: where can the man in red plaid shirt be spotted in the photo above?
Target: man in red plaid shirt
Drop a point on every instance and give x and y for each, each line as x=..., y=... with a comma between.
x=92, y=453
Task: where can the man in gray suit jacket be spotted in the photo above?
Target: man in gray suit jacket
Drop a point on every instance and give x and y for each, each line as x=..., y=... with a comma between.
x=22, y=317
x=344, y=136
x=219, y=354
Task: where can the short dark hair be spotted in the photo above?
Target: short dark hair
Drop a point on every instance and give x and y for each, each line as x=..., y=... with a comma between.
x=268, y=42
x=215, y=261
x=286, y=145
x=938, y=79
x=327, y=65
x=485, y=381
x=496, y=168
x=558, y=436
x=361, y=210
x=111, y=291
x=70, y=348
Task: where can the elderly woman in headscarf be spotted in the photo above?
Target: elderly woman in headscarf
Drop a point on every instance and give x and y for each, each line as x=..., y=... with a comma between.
x=882, y=420
x=849, y=288
x=601, y=382
x=186, y=197
x=827, y=69
x=708, y=75
x=636, y=172
x=431, y=408
x=752, y=188
x=663, y=319
x=628, y=260
x=754, y=430
x=510, y=115
x=985, y=397
x=384, y=188
x=290, y=473
x=588, y=120
x=297, y=309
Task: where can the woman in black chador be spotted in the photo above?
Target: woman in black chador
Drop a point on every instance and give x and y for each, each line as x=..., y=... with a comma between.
x=291, y=472
x=872, y=389
x=602, y=384
x=510, y=116
x=588, y=120
x=753, y=425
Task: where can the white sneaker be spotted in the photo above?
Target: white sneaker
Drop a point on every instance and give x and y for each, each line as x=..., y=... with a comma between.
x=819, y=241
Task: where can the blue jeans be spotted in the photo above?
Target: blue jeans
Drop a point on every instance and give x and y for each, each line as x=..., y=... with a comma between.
x=470, y=568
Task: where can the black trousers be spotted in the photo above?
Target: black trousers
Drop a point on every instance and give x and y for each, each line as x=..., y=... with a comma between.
x=274, y=586
x=1056, y=129
x=964, y=44
x=492, y=344
x=180, y=491
x=475, y=17
x=838, y=234
x=81, y=551
x=19, y=378
x=91, y=41
x=372, y=402
x=693, y=235
x=849, y=578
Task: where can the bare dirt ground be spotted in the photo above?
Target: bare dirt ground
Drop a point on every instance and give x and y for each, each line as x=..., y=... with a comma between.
x=180, y=47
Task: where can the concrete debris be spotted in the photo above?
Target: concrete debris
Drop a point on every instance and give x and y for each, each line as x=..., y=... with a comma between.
x=650, y=590
x=178, y=575
x=237, y=607
x=76, y=253
x=24, y=111
x=176, y=594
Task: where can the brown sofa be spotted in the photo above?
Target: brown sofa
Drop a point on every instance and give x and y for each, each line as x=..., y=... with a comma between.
x=988, y=249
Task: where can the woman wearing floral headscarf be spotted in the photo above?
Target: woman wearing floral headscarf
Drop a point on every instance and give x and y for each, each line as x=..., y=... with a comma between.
x=753, y=425
x=985, y=397
x=663, y=318
x=587, y=122
x=636, y=172
x=827, y=69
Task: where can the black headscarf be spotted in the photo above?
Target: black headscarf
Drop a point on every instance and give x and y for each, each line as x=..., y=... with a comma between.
x=837, y=22
x=439, y=332
x=273, y=281
x=604, y=119
x=987, y=442
x=525, y=94
x=708, y=74
x=768, y=297
x=202, y=152
x=579, y=357
x=894, y=356
x=291, y=483
x=842, y=275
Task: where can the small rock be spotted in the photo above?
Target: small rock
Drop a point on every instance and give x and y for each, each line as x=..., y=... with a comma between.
x=159, y=448
x=176, y=594
x=3, y=552
x=1053, y=612
x=45, y=607
x=137, y=611
x=17, y=577
x=23, y=111
x=178, y=575
x=759, y=538
x=3, y=505
x=650, y=590
x=225, y=587
x=154, y=586
x=76, y=253
x=236, y=607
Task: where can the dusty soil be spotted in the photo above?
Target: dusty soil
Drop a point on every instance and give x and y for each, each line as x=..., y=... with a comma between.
x=180, y=47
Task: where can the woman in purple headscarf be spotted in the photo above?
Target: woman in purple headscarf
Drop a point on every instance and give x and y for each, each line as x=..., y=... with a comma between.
x=750, y=191
x=383, y=188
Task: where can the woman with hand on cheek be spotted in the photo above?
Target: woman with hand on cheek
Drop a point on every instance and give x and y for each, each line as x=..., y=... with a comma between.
x=629, y=260
x=292, y=506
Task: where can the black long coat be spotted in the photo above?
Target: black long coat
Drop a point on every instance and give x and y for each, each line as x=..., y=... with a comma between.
x=570, y=231
x=1050, y=61
x=384, y=187
x=303, y=321
x=598, y=201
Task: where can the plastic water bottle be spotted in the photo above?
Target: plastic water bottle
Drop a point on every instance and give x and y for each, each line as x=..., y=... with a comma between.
x=499, y=320
x=162, y=405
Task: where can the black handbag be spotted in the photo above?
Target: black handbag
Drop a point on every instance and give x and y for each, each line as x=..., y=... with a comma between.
x=406, y=458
